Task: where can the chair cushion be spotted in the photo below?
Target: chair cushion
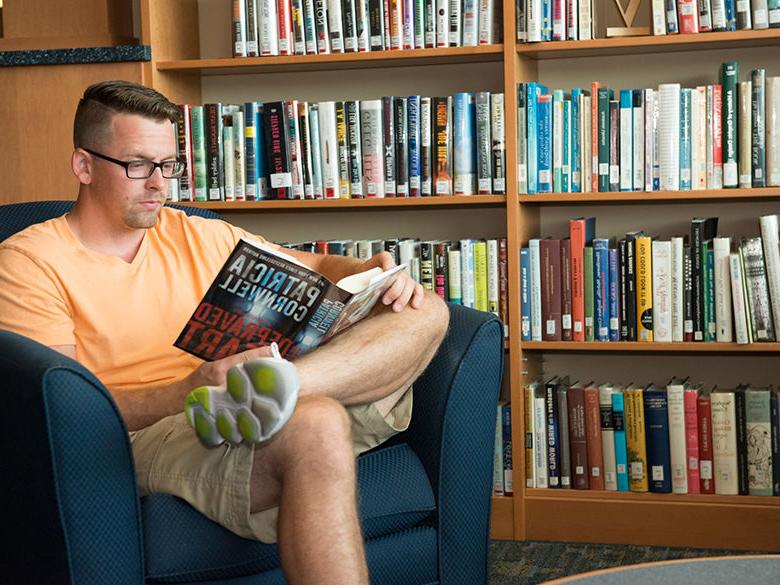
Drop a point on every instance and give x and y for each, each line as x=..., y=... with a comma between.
x=181, y=545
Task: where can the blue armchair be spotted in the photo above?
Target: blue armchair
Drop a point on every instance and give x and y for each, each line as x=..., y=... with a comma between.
x=72, y=513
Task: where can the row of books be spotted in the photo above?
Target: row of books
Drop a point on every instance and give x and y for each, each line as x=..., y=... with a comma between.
x=668, y=139
x=640, y=288
x=502, y=452
x=468, y=272
x=679, y=438
x=391, y=147
x=311, y=27
x=561, y=20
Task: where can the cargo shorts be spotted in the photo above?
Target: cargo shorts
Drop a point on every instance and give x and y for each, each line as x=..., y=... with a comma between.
x=169, y=459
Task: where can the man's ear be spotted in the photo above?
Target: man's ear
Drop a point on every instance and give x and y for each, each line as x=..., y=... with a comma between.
x=81, y=165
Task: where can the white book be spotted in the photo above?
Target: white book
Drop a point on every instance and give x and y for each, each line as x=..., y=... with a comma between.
x=239, y=154
x=718, y=14
x=586, y=20
x=662, y=289
x=724, y=443
x=626, y=147
x=470, y=23
x=721, y=247
x=335, y=26
x=608, y=437
x=573, y=17
x=744, y=153
x=442, y=23
x=585, y=144
x=659, y=17
x=760, y=14
x=455, y=288
x=769, y=237
x=540, y=437
x=536, y=290
x=650, y=133
x=773, y=131
x=639, y=146
x=675, y=390
x=229, y=162
x=739, y=304
x=239, y=28
x=329, y=149
x=669, y=136
x=267, y=28
x=678, y=287
x=530, y=433
x=372, y=146
x=533, y=15
x=486, y=27
x=467, y=274
x=498, y=456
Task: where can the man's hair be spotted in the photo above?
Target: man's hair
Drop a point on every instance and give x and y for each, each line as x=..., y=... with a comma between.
x=102, y=101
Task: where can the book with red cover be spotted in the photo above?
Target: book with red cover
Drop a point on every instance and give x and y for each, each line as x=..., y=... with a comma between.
x=690, y=396
x=704, y=414
x=689, y=16
x=566, y=331
x=550, y=259
x=578, y=443
x=593, y=433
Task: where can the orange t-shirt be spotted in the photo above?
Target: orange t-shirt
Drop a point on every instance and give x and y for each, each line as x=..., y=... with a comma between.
x=122, y=317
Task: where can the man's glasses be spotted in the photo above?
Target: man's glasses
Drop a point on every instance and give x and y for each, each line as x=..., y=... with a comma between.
x=143, y=169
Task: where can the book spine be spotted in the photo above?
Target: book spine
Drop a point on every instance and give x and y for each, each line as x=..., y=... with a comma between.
x=603, y=139
x=644, y=289
x=536, y=291
x=677, y=433
x=506, y=441
x=321, y=26
x=576, y=140
x=252, y=44
x=455, y=23
x=758, y=129
x=498, y=143
x=566, y=291
x=525, y=294
x=699, y=138
x=729, y=125
x=631, y=287
x=623, y=265
x=544, y=143
x=298, y=34
x=215, y=168
x=608, y=438
x=413, y=121
x=354, y=133
x=227, y=158
x=601, y=289
x=377, y=25
x=669, y=136
x=426, y=147
x=443, y=129
x=371, y=130
x=550, y=258
x=329, y=148
x=656, y=413
x=758, y=306
x=718, y=14
x=455, y=290
x=740, y=415
x=464, y=137
x=773, y=125
x=467, y=272
x=483, y=143
x=723, y=311
x=480, y=276
x=589, y=289
x=239, y=153
x=621, y=448
x=342, y=139
x=316, y=151
x=691, y=441
x=678, y=288
x=577, y=237
x=294, y=144
x=685, y=139
x=199, y=162
x=659, y=17
x=442, y=23
x=309, y=27
x=593, y=432
x=705, y=16
x=744, y=127
x=286, y=39
x=662, y=294
x=774, y=413
x=429, y=24
x=335, y=26
x=426, y=265
x=440, y=269
x=239, y=28
x=741, y=328
x=492, y=277
x=251, y=149
x=184, y=151
x=638, y=138
x=553, y=452
x=635, y=440
x=498, y=455
x=503, y=284
x=724, y=444
x=771, y=246
x=758, y=429
x=578, y=438
x=388, y=138
x=540, y=437
x=704, y=420
x=363, y=26
x=401, y=147
x=530, y=435
x=626, y=167
x=561, y=395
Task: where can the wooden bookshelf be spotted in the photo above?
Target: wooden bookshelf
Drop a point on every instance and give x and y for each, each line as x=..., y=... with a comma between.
x=335, y=61
x=650, y=44
x=654, y=347
x=410, y=203
x=665, y=197
x=501, y=524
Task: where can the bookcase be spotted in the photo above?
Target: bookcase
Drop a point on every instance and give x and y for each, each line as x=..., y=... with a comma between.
x=190, y=63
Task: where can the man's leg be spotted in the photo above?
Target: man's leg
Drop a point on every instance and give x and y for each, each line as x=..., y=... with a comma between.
x=308, y=471
x=378, y=358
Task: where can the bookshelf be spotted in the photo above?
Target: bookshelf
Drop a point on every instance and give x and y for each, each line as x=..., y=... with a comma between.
x=189, y=64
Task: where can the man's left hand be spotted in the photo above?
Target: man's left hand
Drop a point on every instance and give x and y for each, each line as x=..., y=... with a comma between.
x=404, y=291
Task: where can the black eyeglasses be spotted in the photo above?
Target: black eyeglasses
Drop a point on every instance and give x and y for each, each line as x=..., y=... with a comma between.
x=143, y=169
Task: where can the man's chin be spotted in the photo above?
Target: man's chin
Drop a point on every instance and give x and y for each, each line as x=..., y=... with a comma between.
x=143, y=219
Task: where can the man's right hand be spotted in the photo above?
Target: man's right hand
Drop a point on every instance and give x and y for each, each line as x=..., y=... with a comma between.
x=215, y=373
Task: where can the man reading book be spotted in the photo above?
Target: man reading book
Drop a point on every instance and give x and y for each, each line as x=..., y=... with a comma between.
x=112, y=283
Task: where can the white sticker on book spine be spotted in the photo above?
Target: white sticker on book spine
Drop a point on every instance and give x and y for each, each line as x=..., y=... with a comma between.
x=485, y=184
x=603, y=168
x=637, y=470
x=621, y=467
x=588, y=321
x=609, y=476
x=566, y=321
x=658, y=472
x=759, y=17
x=578, y=326
x=442, y=187
x=565, y=481
x=579, y=470
x=595, y=471
x=544, y=176
x=550, y=327
x=614, y=323
x=499, y=185
x=705, y=469
x=279, y=180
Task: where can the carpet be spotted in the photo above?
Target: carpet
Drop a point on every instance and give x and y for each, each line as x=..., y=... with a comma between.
x=529, y=563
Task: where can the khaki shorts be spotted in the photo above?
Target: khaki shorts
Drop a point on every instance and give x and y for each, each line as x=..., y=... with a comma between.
x=169, y=459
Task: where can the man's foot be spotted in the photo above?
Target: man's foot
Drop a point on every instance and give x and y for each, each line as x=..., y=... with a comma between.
x=260, y=397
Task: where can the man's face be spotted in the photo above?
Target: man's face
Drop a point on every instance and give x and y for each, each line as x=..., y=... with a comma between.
x=134, y=203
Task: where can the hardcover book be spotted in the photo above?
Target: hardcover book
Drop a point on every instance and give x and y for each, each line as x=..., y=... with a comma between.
x=261, y=295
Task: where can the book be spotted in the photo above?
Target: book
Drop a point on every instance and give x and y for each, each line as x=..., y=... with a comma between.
x=636, y=439
x=261, y=295
x=657, y=439
x=621, y=450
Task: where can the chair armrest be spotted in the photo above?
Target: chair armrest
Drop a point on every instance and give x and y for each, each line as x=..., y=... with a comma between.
x=453, y=433
x=71, y=508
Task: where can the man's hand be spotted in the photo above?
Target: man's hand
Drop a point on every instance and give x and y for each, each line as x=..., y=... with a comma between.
x=405, y=291
x=215, y=373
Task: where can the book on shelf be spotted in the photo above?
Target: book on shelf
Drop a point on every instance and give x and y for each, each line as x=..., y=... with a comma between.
x=262, y=295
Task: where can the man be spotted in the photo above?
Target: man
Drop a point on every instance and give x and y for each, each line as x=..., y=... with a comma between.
x=112, y=283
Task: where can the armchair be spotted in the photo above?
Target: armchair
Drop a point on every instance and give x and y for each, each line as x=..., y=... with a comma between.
x=72, y=512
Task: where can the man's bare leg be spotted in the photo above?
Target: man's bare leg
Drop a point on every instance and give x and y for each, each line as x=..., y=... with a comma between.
x=308, y=470
x=378, y=358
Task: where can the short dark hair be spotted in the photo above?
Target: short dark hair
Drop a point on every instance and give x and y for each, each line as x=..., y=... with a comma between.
x=103, y=100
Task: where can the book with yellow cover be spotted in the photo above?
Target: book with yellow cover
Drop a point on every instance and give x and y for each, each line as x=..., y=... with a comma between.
x=644, y=288
x=635, y=439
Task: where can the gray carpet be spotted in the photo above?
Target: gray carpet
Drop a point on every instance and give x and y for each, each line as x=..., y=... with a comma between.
x=528, y=563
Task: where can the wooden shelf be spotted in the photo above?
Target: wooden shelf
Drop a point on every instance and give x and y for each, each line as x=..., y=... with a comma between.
x=348, y=204
x=650, y=44
x=725, y=195
x=502, y=518
x=655, y=347
x=725, y=522
x=375, y=59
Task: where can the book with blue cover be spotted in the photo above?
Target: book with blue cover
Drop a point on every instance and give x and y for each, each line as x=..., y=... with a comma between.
x=621, y=451
x=576, y=141
x=614, y=296
x=413, y=137
x=657, y=441
x=464, y=163
x=544, y=131
x=601, y=289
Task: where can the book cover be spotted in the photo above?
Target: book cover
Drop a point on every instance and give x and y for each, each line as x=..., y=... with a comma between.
x=690, y=406
x=589, y=299
x=657, y=439
x=608, y=437
x=552, y=437
x=550, y=257
x=635, y=439
x=740, y=414
x=581, y=233
x=704, y=420
x=566, y=330
x=724, y=443
x=758, y=429
x=644, y=289
x=530, y=434
x=675, y=391
x=261, y=295
x=621, y=448
x=540, y=436
x=525, y=294
x=563, y=433
x=593, y=433
x=506, y=443
x=578, y=441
